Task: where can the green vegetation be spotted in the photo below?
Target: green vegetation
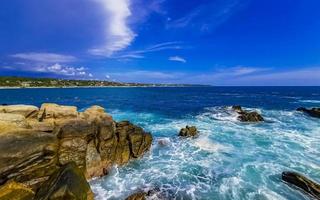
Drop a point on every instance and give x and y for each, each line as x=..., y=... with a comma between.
x=24, y=82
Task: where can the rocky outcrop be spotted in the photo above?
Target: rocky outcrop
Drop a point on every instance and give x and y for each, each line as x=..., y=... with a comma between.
x=188, y=131
x=15, y=191
x=303, y=183
x=33, y=148
x=245, y=116
x=313, y=112
x=68, y=182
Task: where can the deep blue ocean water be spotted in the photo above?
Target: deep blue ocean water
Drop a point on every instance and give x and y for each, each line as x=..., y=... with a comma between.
x=229, y=160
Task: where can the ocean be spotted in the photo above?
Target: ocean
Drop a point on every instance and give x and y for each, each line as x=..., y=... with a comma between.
x=229, y=159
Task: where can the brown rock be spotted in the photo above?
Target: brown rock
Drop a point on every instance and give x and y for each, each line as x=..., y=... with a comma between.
x=53, y=111
x=68, y=183
x=303, y=183
x=27, y=111
x=15, y=191
x=245, y=116
x=313, y=112
x=137, y=196
x=27, y=156
x=189, y=131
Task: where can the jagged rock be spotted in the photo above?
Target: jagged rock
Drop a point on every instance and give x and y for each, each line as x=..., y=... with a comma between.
x=245, y=116
x=314, y=112
x=137, y=196
x=74, y=136
x=27, y=156
x=188, y=131
x=51, y=111
x=33, y=148
x=15, y=191
x=133, y=141
x=302, y=182
x=27, y=111
x=68, y=182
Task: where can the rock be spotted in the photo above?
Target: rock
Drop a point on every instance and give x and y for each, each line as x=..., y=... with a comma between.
x=27, y=111
x=137, y=196
x=303, y=183
x=53, y=111
x=97, y=114
x=12, y=120
x=27, y=156
x=132, y=141
x=189, y=131
x=74, y=136
x=94, y=165
x=314, y=112
x=245, y=116
x=163, y=142
x=68, y=182
x=15, y=191
x=33, y=148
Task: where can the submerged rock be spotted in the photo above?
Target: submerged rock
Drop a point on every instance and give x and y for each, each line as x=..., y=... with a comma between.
x=15, y=191
x=188, y=131
x=68, y=182
x=302, y=182
x=245, y=116
x=314, y=112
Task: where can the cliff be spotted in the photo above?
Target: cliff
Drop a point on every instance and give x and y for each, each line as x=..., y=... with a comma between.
x=38, y=144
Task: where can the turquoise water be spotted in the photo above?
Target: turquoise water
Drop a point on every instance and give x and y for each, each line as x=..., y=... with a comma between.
x=229, y=160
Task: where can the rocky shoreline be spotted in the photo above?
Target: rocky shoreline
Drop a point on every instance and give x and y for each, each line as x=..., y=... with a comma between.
x=47, y=150
x=52, y=151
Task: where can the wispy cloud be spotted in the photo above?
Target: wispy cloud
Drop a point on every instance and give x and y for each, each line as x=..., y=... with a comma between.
x=45, y=57
x=118, y=34
x=174, y=45
x=209, y=15
x=177, y=59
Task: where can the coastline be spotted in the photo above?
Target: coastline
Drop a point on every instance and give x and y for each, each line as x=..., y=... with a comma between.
x=74, y=87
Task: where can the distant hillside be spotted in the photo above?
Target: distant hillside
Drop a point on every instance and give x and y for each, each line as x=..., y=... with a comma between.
x=24, y=82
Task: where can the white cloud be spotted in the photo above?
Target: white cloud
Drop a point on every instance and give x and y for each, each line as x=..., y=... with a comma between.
x=62, y=70
x=177, y=59
x=118, y=34
x=45, y=57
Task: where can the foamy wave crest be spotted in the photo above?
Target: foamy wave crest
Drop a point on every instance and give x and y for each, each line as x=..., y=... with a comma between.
x=310, y=101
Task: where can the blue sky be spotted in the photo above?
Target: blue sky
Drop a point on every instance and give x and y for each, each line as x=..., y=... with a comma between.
x=218, y=42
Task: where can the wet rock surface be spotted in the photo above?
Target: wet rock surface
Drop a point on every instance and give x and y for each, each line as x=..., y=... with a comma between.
x=313, y=112
x=246, y=116
x=302, y=182
x=33, y=148
x=15, y=191
x=188, y=131
x=68, y=182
